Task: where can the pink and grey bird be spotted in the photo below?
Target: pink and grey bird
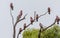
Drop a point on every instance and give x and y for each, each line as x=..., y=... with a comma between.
x=20, y=30
x=31, y=20
x=41, y=26
x=11, y=6
x=49, y=10
x=21, y=13
x=25, y=26
x=57, y=19
x=19, y=16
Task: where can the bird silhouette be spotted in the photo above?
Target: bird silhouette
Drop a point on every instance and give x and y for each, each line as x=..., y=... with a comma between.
x=24, y=26
x=49, y=10
x=21, y=13
x=19, y=16
x=41, y=26
x=57, y=19
x=11, y=6
x=20, y=30
x=31, y=20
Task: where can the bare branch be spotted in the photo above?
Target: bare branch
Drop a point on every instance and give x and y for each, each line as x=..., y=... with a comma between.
x=18, y=35
x=16, y=25
x=43, y=14
x=12, y=17
x=49, y=26
x=13, y=23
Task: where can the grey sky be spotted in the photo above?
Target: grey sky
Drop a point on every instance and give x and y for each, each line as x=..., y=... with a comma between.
x=28, y=6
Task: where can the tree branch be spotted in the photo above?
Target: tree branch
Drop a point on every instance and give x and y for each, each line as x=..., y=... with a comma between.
x=30, y=23
x=14, y=25
x=49, y=26
x=43, y=14
x=18, y=35
x=12, y=17
x=39, y=34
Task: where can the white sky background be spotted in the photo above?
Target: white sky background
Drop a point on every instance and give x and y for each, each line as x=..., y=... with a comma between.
x=28, y=6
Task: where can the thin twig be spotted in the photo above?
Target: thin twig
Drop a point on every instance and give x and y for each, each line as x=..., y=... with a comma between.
x=43, y=14
x=12, y=17
x=14, y=25
x=18, y=35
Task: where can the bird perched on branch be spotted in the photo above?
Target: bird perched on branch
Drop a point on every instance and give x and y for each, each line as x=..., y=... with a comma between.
x=25, y=26
x=49, y=10
x=31, y=20
x=41, y=26
x=11, y=6
x=20, y=30
x=19, y=16
x=57, y=19
x=37, y=17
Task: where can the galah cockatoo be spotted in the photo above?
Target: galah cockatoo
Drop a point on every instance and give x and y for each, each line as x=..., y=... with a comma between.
x=49, y=10
x=31, y=20
x=24, y=26
x=20, y=30
x=41, y=26
x=11, y=6
x=19, y=16
x=57, y=19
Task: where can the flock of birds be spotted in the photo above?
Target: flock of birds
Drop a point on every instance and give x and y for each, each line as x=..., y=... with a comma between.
x=31, y=19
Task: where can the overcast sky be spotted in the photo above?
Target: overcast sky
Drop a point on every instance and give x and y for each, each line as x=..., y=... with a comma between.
x=28, y=6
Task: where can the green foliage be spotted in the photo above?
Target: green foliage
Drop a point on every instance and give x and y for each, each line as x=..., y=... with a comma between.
x=30, y=33
x=52, y=32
